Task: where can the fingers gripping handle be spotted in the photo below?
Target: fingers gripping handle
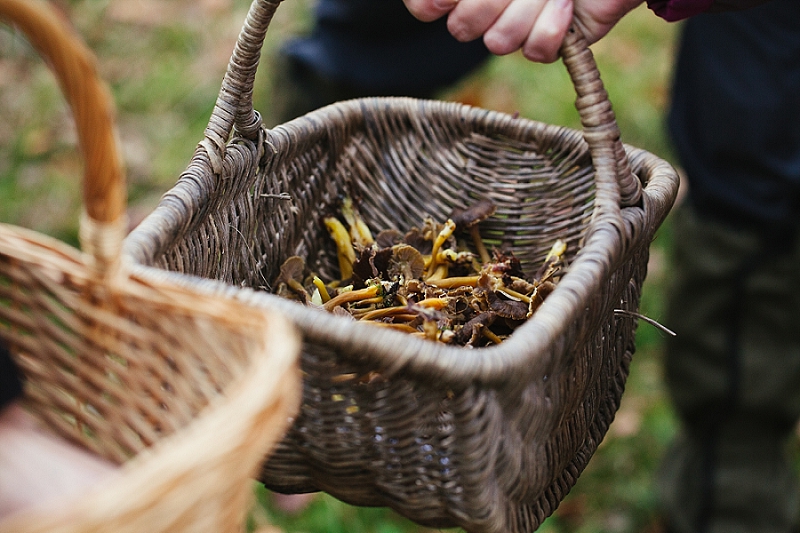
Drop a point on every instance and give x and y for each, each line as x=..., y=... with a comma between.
x=103, y=224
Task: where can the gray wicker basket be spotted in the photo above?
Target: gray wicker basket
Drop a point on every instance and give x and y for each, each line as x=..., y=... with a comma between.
x=488, y=439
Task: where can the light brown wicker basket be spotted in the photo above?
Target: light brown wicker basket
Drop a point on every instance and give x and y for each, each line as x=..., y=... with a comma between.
x=489, y=439
x=186, y=390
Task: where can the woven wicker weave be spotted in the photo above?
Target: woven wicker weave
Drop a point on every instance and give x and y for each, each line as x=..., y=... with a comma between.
x=187, y=391
x=489, y=439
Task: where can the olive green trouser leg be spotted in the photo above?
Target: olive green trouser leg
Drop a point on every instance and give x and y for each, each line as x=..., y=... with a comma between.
x=733, y=372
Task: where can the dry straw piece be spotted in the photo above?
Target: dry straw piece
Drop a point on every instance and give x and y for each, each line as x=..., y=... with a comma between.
x=489, y=439
x=186, y=390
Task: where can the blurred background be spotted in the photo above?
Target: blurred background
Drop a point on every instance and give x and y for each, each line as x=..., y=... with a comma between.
x=164, y=61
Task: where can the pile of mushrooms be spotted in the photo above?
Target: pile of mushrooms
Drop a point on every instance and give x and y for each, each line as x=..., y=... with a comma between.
x=424, y=282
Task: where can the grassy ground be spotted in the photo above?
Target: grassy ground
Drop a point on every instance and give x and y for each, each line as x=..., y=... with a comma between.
x=164, y=62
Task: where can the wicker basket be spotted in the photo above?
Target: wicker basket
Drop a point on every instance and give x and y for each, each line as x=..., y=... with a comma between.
x=186, y=390
x=489, y=439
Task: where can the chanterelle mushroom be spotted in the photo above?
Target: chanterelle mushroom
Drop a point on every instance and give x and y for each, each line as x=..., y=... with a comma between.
x=469, y=218
x=344, y=247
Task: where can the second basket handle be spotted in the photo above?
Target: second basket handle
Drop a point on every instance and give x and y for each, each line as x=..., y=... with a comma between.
x=234, y=105
x=103, y=224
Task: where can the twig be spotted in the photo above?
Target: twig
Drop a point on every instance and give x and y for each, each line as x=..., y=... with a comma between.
x=646, y=319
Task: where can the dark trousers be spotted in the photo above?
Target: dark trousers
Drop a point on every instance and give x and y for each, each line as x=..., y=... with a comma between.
x=733, y=369
x=362, y=48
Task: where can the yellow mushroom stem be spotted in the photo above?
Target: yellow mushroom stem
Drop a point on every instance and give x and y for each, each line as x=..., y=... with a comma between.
x=514, y=295
x=381, y=313
x=352, y=296
x=556, y=251
x=448, y=254
x=405, y=328
x=431, y=329
x=371, y=301
x=323, y=290
x=359, y=231
x=433, y=303
x=455, y=281
x=295, y=285
x=440, y=272
x=489, y=334
x=344, y=247
x=483, y=253
x=445, y=233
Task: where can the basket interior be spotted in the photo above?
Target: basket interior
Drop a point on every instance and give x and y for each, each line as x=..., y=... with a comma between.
x=401, y=166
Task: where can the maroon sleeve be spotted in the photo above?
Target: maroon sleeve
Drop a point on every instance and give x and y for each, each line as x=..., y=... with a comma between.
x=673, y=10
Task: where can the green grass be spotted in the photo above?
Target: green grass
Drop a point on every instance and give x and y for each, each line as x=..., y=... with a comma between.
x=164, y=65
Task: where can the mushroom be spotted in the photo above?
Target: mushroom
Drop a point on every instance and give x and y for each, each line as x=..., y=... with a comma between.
x=552, y=262
x=469, y=218
x=344, y=247
x=353, y=296
x=415, y=237
x=359, y=231
x=371, y=263
x=491, y=336
x=406, y=262
x=452, y=282
x=513, y=309
x=472, y=330
x=290, y=276
x=323, y=290
x=444, y=233
x=542, y=291
x=521, y=285
x=398, y=312
x=388, y=238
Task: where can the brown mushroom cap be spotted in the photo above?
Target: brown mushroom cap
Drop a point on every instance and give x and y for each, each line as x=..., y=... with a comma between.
x=472, y=215
x=415, y=238
x=291, y=276
x=468, y=219
x=388, y=238
x=507, y=308
x=293, y=267
x=470, y=333
x=406, y=261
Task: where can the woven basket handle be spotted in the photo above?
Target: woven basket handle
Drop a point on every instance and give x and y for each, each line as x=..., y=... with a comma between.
x=103, y=224
x=599, y=123
x=234, y=106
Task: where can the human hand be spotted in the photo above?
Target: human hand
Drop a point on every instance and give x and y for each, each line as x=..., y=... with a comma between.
x=537, y=27
x=37, y=467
